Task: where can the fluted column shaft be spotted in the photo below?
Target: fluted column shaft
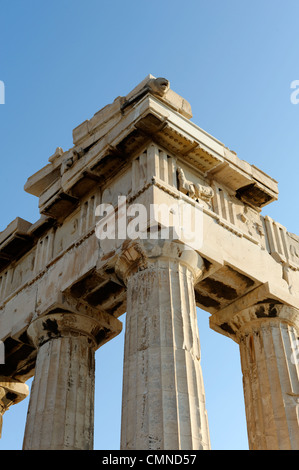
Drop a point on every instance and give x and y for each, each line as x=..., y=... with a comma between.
x=268, y=340
x=61, y=408
x=163, y=393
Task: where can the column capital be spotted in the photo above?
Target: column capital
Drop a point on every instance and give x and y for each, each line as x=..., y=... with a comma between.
x=253, y=317
x=67, y=324
x=138, y=255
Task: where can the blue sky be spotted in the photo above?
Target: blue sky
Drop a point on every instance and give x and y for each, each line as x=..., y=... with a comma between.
x=233, y=60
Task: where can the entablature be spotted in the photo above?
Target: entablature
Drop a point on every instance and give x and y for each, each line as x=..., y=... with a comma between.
x=143, y=146
x=116, y=134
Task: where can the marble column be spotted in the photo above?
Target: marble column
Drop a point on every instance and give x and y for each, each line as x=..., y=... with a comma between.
x=163, y=393
x=268, y=338
x=12, y=391
x=61, y=408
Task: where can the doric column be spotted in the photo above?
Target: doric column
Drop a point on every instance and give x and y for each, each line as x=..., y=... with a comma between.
x=61, y=408
x=12, y=391
x=268, y=337
x=163, y=393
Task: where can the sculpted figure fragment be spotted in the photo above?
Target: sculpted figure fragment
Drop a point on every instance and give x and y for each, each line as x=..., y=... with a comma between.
x=194, y=190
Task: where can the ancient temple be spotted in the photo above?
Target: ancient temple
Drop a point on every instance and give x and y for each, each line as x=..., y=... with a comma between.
x=103, y=247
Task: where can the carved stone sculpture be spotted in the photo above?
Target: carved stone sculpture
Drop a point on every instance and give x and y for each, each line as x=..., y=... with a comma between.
x=194, y=190
x=159, y=86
